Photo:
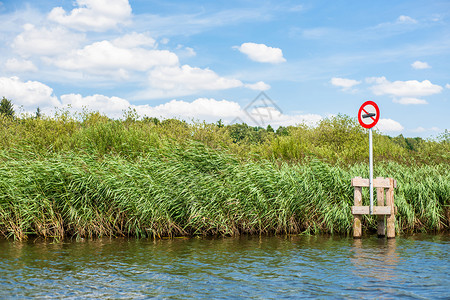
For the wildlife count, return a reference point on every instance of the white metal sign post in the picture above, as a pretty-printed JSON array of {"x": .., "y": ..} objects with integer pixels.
[{"x": 368, "y": 116}]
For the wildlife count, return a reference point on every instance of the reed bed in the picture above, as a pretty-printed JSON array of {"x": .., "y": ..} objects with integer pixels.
[{"x": 192, "y": 189}]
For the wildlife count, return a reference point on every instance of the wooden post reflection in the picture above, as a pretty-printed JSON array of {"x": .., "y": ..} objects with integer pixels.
[{"x": 375, "y": 261}]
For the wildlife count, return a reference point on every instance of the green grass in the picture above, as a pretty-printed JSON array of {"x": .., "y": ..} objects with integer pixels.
[
  {"x": 86, "y": 175},
  {"x": 193, "y": 189},
  {"x": 337, "y": 141}
]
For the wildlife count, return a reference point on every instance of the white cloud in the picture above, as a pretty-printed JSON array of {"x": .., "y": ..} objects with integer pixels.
[
  {"x": 308, "y": 119},
  {"x": 175, "y": 81},
  {"x": 258, "y": 86},
  {"x": 344, "y": 83},
  {"x": 410, "y": 88},
  {"x": 16, "y": 65},
  {"x": 269, "y": 115},
  {"x": 201, "y": 108},
  {"x": 45, "y": 41},
  {"x": 28, "y": 94},
  {"x": 105, "y": 56},
  {"x": 447, "y": 86},
  {"x": 190, "y": 51},
  {"x": 422, "y": 130},
  {"x": 111, "y": 106},
  {"x": 419, "y": 65},
  {"x": 410, "y": 100},
  {"x": 32, "y": 94},
  {"x": 189, "y": 78},
  {"x": 406, "y": 20},
  {"x": 389, "y": 125},
  {"x": 183, "y": 51},
  {"x": 408, "y": 91},
  {"x": 262, "y": 53},
  {"x": 134, "y": 40},
  {"x": 419, "y": 129},
  {"x": 212, "y": 110},
  {"x": 93, "y": 15}
]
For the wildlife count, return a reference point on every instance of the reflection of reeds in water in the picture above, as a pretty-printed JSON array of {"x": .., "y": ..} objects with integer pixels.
[
  {"x": 195, "y": 190},
  {"x": 377, "y": 262}
]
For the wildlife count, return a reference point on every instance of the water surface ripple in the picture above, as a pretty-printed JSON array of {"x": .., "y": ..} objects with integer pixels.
[{"x": 246, "y": 267}]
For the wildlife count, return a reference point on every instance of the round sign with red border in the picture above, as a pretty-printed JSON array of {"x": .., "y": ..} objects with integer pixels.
[{"x": 368, "y": 114}]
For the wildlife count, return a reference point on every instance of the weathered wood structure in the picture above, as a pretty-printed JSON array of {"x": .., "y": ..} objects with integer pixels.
[{"x": 384, "y": 186}]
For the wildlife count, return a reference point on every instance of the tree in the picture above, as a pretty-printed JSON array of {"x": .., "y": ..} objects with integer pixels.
[
  {"x": 38, "y": 113},
  {"x": 282, "y": 131},
  {"x": 153, "y": 120},
  {"x": 6, "y": 107}
]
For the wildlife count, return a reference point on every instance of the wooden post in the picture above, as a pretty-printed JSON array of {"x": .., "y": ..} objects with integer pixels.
[
  {"x": 384, "y": 186},
  {"x": 357, "y": 230},
  {"x": 380, "y": 218},
  {"x": 391, "y": 218}
]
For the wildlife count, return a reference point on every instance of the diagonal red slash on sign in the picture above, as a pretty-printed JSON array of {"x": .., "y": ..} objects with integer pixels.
[{"x": 368, "y": 113}]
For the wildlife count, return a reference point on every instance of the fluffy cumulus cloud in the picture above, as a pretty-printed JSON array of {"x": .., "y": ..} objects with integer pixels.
[
  {"x": 67, "y": 44},
  {"x": 201, "y": 108},
  {"x": 447, "y": 86},
  {"x": 258, "y": 86},
  {"x": 344, "y": 83},
  {"x": 262, "y": 53},
  {"x": 93, "y": 15},
  {"x": 189, "y": 78},
  {"x": 45, "y": 41},
  {"x": 389, "y": 126},
  {"x": 262, "y": 116},
  {"x": 134, "y": 40},
  {"x": 175, "y": 81},
  {"x": 20, "y": 65},
  {"x": 29, "y": 94},
  {"x": 419, "y": 65},
  {"x": 404, "y": 92},
  {"x": 106, "y": 56},
  {"x": 211, "y": 110},
  {"x": 112, "y": 106},
  {"x": 32, "y": 94}
]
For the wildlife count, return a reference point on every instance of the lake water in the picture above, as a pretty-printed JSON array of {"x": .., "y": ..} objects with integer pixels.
[{"x": 245, "y": 267}]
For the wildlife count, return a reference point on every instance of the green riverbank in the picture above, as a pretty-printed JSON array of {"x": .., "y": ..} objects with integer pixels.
[{"x": 98, "y": 177}]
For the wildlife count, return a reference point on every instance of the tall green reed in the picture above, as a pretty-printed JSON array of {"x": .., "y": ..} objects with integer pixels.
[{"x": 193, "y": 189}]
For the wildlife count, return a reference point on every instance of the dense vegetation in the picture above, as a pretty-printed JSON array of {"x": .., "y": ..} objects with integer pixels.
[{"x": 87, "y": 175}]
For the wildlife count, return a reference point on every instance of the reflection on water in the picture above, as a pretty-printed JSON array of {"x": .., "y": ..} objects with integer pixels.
[
  {"x": 375, "y": 262},
  {"x": 248, "y": 266}
]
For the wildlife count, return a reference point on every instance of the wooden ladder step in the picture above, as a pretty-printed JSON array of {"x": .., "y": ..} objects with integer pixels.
[{"x": 377, "y": 210}]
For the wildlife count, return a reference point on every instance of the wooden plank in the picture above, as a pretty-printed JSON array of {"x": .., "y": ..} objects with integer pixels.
[
  {"x": 390, "y": 221},
  {"x": 381, "y": 228},
  {"x": 378, "y": 182},
  {"x": 357, "y": 230},
  {"x": 377, "y": 210}
]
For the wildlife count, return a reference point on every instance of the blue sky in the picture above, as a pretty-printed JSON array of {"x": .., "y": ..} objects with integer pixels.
[{"x": 208, "y": 60}]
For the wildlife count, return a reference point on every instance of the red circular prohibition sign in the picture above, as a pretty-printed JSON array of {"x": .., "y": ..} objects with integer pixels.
[{"x": 368, "y": 114}]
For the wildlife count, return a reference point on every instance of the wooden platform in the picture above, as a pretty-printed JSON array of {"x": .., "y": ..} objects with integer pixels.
[{"x": 385, "y": 189}]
